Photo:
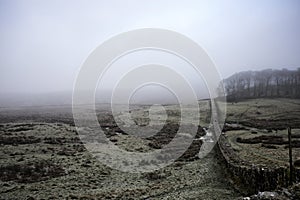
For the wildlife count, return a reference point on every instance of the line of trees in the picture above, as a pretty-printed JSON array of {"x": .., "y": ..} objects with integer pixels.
[{"x": 265, "y": 83}]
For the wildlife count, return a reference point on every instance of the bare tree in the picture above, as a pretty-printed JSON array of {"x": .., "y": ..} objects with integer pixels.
[{"x": 265, "y": 83}]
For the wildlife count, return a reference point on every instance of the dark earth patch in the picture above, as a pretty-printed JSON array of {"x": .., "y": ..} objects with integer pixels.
[{"x": 30, "y": 172}]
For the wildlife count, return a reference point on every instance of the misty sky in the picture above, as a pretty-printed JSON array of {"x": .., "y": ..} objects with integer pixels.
[{"x": 44, "y": 43}]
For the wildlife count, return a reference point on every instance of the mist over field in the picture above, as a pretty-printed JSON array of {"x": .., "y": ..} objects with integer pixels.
[
  {"x": 136, "y": 99},
  {"x": 44, "y": 43}
]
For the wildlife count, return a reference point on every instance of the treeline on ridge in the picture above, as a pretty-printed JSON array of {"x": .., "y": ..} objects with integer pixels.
[{"x": 263, "y": 84}]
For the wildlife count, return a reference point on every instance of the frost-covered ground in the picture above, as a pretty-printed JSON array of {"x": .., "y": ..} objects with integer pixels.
[{"x": 41, "y": 157}]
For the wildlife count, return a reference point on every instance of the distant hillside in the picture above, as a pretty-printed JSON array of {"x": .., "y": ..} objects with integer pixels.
[{"x": 266, "y": 83}]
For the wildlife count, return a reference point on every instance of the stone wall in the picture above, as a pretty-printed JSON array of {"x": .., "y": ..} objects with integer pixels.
[{"x": 251, "y": 178}]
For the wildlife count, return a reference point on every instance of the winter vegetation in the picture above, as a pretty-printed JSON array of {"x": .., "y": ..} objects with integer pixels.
[{"x": 263, "y": 84}]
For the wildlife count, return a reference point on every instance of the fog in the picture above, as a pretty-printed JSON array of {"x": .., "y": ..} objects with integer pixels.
[{"x": 44, "y": 43}]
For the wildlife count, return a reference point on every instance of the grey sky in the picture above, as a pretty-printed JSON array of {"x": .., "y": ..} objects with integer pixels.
[{"x": 44, "y": 43}]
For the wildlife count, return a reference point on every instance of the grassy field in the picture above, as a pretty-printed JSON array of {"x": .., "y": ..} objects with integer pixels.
[
  {"x": 41, "y": 157},
  {"x": 257, "y": 130},
  {"x": 265, "y": 113}
]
